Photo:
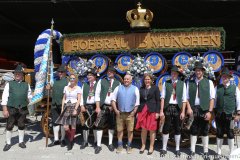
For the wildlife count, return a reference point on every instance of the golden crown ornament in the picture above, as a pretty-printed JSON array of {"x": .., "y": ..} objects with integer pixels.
[{"x": 139, "y": 18}]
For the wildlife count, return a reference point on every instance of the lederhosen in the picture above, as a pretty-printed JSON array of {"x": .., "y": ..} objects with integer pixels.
[
  {"x": 225, "y": 107},
  {"x": 199, "y": 125},
  {"x": 90, "y": 108},
  {"x": 57, "y": 96},
  {"x": 172, "y": 111},
  {"x": 107, "y": 116},
  {"x": 17, "y": 105}
]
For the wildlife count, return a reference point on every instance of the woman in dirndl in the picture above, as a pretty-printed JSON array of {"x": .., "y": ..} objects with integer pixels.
[
  {"x": 148, "y": 112},
  {"x": 70, "y": 104}
]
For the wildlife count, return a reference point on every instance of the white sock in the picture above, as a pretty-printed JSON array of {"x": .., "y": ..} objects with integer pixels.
[
  {"x": 99, "y": 137},
  {"x": 177, "y": 141},
  {"x": 231, "y": 145},
  {"x": 219, "y": 145},
  {"x": 205, "y": 143},
  {"x": 55, "y": 132},
  {"x": 95, "y": 135},
  {"x": 110, "y": 136},
  {"x": 63, "y": 133},
  {"x": 20, "y": 135},
  {"x": 165, "y": 140},
  {"x": 8, "y": 137},
  {"x": 193, "y": 140},
  {"x": 85, "y": 135}
]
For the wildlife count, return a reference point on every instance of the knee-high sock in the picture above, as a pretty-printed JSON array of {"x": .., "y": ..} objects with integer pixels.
[
  {"x": 73, "y": 131},
  {"x": 55, "y": 132},
  {"x": 8, "y": 137},
  {"x": 62, "y": 133},
  {"x": 85, "y": 135},
  {"x": 177, "y": 141},
  {"x": 68, "y": 133},
  {"x": 231, "y": 145},
  {"x": 205, "y": 140},
  {"x": 165, "y": 140},
  {"x": 193, "y": 140},
  {"x": 99, "y": 137},
  {"x": 20, "y": 135},
  {"x": 219, "y": 145},
  {"x": 95, "y": 135},
  {"x": 110, "y": 136}
]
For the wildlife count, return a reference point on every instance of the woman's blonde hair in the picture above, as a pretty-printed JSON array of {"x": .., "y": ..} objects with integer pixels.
[{"x": 76, "y": 77}]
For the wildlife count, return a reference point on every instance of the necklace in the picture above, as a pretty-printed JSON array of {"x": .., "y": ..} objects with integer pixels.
[{"x": 146, "y": 90}]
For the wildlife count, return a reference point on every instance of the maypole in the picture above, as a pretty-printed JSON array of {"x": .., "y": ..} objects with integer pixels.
[{"x": 49, "y": 70}]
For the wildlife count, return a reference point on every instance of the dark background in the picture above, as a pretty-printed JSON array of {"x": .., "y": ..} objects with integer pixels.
[{"x": 21, "y": 21}]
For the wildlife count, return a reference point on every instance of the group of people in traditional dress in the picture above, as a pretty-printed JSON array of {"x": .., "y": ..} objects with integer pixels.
[{"x": 106, "y": 103}]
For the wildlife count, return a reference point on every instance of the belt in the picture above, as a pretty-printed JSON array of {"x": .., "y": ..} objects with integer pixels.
[
  {"x": 197, "y": 106},
  {"x": 175, "y": 105},
  {"x": 24, "y": 107}
]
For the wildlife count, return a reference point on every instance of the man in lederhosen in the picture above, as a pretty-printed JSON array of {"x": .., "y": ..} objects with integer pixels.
[
  {"x": 227, "y": 103},
  {"x": 173, "y": 103},
  {"x": 15, "y": 98},
  {"x": 88, "y": 104},
  {"x": 103, "y": 94},
  {"x": 201, "y": 95},
  {"x": 57, "y": 96}
]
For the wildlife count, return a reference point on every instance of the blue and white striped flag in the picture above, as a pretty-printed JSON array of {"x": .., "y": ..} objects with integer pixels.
[
  {"x": 41, "y": 55},
  {"x": 41, "y": 76}
]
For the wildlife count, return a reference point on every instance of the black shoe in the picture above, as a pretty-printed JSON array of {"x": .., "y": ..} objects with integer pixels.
[
  {"x": 98, "y": 149},
  {"x": 191, "y": 156},
  {"x": 84, "y": 145},
  {"x": 217, "y": 157},
  {"x": 7, "y": 147},
  {"x": 111, "y": 147},
  {"x": 63, "y": 143},
  {"x": 70, "y": 146},
  {"x": 141, "y": 152},
  {"x": 54, "y": 143},
  {"x": 22, "y": 145},
  {"x": 163, "y": 153},
  {"x": 149, "y": 153},
  {"x": 178, "y": 153},
  {"x": 206, "y": 156}
]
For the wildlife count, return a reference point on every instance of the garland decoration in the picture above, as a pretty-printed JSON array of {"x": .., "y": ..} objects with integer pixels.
[
  {"x": 138, "y": 68},
  {"x": 188, "y": 70}
]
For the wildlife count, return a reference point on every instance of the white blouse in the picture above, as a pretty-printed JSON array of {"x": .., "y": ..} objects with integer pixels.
[{"x": 71, "y": 95}]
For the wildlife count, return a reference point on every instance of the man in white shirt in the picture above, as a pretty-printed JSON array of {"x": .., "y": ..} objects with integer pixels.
[
  {"x": 104, "y": 109},
  {"x": 127, "y": 98},
  {"x": 15, "y": 99},
  {"x": 227, "y": 103},
  {"x": 173, "y": 103},
  {"x": 88, "y": 105},
  {"x": 201, "y": 95}
]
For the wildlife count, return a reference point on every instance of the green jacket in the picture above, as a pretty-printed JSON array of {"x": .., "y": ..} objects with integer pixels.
[
  {"x": 179, "y": 92},
  {"x": 18, "y": 94},
  {"x": 105, "y": 84},
  {"x": 86, "y": 88},
  {"x": 204, "y": 90},
  {"x": 57, "y": 91},
  {"x": 226, "y": 99}
]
